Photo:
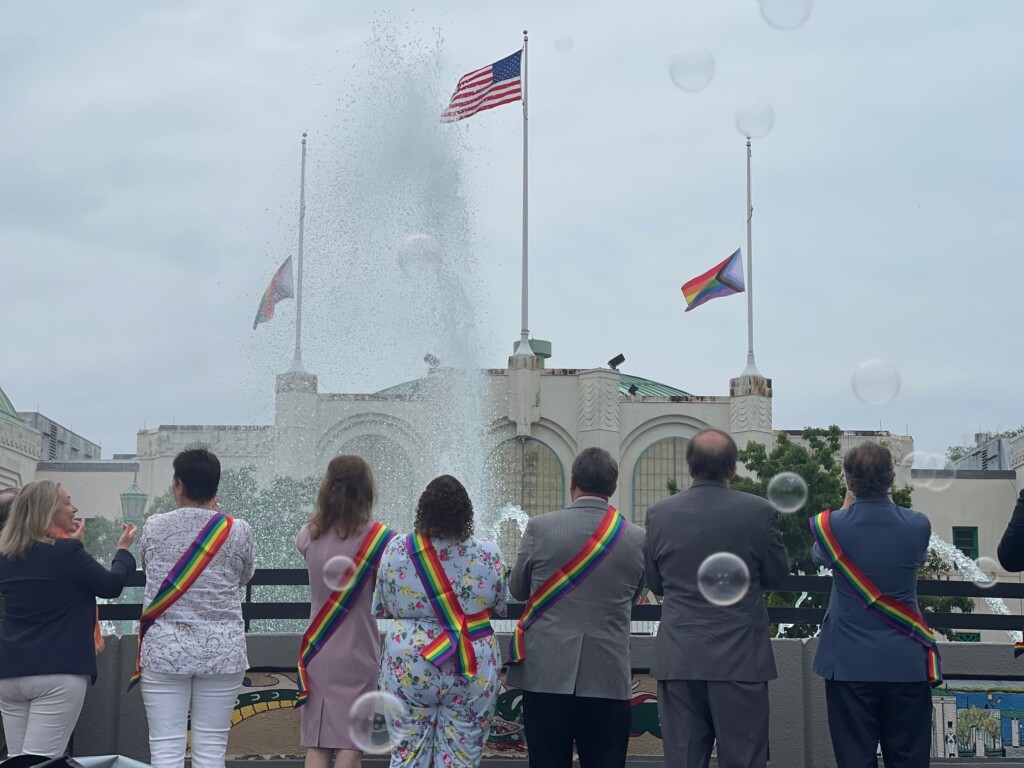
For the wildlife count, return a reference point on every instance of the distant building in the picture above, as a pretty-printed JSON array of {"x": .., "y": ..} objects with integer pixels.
[
  {"x": 58, "y": 443},
  {"x": 19, "y": 447},
  {"x": 990, "y": 453}
]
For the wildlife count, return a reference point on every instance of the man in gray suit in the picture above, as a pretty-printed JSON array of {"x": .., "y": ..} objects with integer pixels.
[
  {"x": 576, "y": 675},
  {"x": 712, "y": 662}
]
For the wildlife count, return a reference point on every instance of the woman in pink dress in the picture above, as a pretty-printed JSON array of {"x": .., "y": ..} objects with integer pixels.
[{"x": 346, "y": 666}]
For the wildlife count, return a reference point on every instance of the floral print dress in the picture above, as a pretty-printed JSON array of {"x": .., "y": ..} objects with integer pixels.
[{"x": 449, "y": 718}]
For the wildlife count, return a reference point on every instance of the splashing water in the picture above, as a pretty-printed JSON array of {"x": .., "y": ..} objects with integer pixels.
[{"x": 954, "y": 556}]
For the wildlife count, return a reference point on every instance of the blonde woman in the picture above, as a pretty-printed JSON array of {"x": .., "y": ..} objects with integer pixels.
[
  {"x": 344, "y": 666},
  {"x": 50, "y": 585}
]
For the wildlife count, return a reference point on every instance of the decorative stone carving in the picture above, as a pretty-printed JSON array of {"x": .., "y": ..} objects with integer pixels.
[
  {"x": 750, "y": 414},
  {"x": 598, "y": 403}
]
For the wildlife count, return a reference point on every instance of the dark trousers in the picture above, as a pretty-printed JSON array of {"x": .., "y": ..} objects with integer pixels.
[
  {"x": 862, "y": 715},
  {"x": 600, "y": 728},
  {"x": 694, "y": 713}
]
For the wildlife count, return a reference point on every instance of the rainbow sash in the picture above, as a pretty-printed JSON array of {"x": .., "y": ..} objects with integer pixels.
[
  {"x": 567, "y": 578},
  {"x": 458, "y": 629},
  {"x": 182, "y": 576},
  {"x": 336, "y": 608},
  {"x": 1018, "y": 649},
  {"x": 900, "y": 616}
]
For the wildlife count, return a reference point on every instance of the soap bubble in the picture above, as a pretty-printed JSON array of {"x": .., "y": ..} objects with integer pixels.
[
  {"x": 934, "y": 470},
  {"x": 419, "y": 255},
  {"x": 368, "y": 724},
  {"x": 786, "y": 14},
  {"x": 755, "y": 119},
  {"x": 787, "y": 492},
  {"x": 692, "y": 69},
  {"x": 876, "y": 381},
  {"x": 723, "y": 578},
  {"x": 339, "y": 572},
  {"x": 563, "y": 44},
  {"x": 990, "y": 572}
]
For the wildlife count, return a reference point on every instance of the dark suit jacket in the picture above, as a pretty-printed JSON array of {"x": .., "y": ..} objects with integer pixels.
[
  {"x": 698, "y": 640},
  {"x": 888, "y": 543},
  {"x": 50, "y": 608},
  {"x": 581, "y": 644},
  {"x": 1011, "y": 546}
]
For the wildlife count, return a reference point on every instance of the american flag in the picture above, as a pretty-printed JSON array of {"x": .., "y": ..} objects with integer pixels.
[{"x": 496, "y": 84}]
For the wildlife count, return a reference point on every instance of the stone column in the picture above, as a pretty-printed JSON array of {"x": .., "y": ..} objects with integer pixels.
[
  {"x": 750, "y": 410},
  {"x": 295, "y": 417},
  {"x": 523, "y": 401},
  {"x": 597, "y": 410}
]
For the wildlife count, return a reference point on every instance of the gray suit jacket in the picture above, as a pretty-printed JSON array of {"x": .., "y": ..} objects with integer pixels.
[
  {"x": 698, "y": 640},
  {"x": 581, "y": 645}
]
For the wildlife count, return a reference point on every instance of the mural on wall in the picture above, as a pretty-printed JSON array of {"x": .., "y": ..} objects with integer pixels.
[
  {"x": 978, "y": 718},
  {"x": 265, "y": 721}
]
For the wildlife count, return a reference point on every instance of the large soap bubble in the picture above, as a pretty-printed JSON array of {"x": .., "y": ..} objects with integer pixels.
[
  {"x": 692, "y": 69},
  {"x": 786, "y": 14},
  {"x": 419, "y": 255},
  {"x": 876, "y": 381},
  {"x": 989, "y": 572},
  {"x": 339, "y": 572},
  {"x": 755, "y": 119},
  {"x": 368, "y": 724},
  {"x": 723, "y": 578},
  {"x": 787, "y": 492}
]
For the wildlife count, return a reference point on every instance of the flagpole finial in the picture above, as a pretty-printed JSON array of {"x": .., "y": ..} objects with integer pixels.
[{"x": 525, "y": 33}]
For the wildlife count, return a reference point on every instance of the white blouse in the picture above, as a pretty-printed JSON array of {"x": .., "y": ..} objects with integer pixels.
[{"x": 203, "y": 632}]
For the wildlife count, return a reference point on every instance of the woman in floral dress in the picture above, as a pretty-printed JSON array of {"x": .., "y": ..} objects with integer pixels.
[{"x": 449, "y": 716}]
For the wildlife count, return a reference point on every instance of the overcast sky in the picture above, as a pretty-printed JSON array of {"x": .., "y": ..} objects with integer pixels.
[{"x": 149, "y": 158}]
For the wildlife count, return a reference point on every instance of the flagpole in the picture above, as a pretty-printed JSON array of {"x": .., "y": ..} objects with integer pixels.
[
  {"x": 523, "y": 349},
  {"x": 751, "y": 369},
  {"x": 297, "y": 361}
]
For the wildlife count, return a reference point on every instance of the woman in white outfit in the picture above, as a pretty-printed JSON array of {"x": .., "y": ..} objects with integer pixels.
[{"x": 194, "y": 657}]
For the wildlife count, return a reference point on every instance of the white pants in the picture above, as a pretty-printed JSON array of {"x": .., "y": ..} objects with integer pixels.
[
  {"x": 40, "y": 712},
  {"x": 172, "y": 699}
]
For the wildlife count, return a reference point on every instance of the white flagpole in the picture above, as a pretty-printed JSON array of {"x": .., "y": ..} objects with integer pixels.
[
  {"x": 751, "y": 369},
  {"x": 297, "y": 361},
  {"x": 523, "y": 348}
]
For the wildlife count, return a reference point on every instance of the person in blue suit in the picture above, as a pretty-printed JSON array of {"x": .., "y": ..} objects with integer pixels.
[{"x": 876, "y": 682}]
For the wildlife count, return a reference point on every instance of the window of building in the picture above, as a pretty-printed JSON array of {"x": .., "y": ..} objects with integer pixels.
[
  {"x": 660, "y": 463},
  {"x": 967, "y": 637},
  {"x": 965, "y": 538},
  {"x": 528, "y": 473}
]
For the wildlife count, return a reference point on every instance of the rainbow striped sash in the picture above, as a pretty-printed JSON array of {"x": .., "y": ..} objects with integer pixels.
[
  {"x": 458, "y": 629},
  {"x": 336, "y": 608},
  {"x": 1018, "y": 649},
  {"x": 567, "y": 578},
  {"x": 182, "y": 576},
  {"x": 900, "y": 616}
]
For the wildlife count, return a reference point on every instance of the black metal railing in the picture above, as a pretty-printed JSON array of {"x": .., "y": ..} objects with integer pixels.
[{"x": 269, "y": 577}]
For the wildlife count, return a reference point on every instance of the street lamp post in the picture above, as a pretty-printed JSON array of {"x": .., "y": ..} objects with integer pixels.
[{"x": 133, "y": 503}]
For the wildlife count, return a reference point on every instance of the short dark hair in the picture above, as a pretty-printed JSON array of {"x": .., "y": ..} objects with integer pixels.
[
  {"x": 595, "y": 471},
  {"x": 7, "y": 497},
  {"x": 869, "y": 470},
  {"x": 444, "y": 510},
  {"x": 711, "y": 454},
  {"x": 199, "y": 472}
]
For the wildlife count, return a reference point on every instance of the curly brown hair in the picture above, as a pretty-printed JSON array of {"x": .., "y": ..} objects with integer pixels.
[
  {"x": 444, "y": 510},
  {"x": 345, "y": 501}
]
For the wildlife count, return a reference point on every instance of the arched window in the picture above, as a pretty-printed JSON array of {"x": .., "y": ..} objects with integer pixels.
[
  {"x": 527, "y": 473},
  {"x": 396, "y": 479},
  {"x": 660, "y": 462}
]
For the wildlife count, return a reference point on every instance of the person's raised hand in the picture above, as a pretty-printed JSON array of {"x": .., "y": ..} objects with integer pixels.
[
  {"x": 127, "y": 536},
  {"x": 77, "y": 529}
]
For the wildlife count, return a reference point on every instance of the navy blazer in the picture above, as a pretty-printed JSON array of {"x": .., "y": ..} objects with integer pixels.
[
  {"x": 888, "y": 543},
  {"x": 50, "y": 608},
  {"x": 1011, "y": 546}
]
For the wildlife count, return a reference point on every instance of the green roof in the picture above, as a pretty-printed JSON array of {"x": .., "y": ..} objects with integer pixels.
[
  {"x": 644, "y": 388},
  {"x": 648, "y": 388},
  {"x": 7, "y": 408}
]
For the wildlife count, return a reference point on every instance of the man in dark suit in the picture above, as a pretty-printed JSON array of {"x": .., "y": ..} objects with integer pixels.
[
  {"x": 713, "y": 663},
  {"x": 576, "y": 674},
  {"x": 876, "y": 684}
]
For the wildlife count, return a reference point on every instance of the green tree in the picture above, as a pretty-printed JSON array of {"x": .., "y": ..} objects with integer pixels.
[
  {"x": 100, "y": 540},
  {"x": 957, "y": 452}
]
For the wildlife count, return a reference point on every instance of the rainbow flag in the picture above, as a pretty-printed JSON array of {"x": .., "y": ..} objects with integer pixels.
[
  {"x": 281, "y": 287},
  {"x": 721, "y": 280}
]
